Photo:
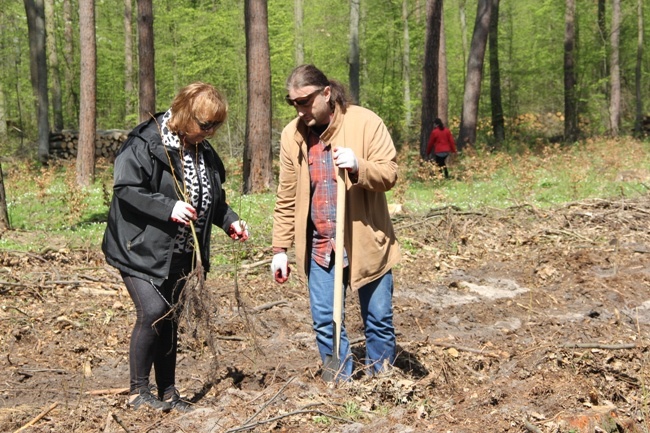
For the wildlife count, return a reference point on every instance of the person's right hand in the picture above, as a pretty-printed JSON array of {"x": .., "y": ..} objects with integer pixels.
[
  {"x": 183, "y": 213},
  {"x": 280, "y": 267}
]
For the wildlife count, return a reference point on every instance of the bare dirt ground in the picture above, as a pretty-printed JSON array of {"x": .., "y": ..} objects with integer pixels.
[{"x": 517, "y": 320}]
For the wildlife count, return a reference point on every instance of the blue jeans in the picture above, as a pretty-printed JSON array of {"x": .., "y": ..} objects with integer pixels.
[{"x": 375, "y": 299}]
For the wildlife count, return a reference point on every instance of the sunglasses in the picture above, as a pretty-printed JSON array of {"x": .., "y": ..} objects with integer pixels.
[
  {"x": 302, "y": 101},
  {"x": 207, "y": 126}
]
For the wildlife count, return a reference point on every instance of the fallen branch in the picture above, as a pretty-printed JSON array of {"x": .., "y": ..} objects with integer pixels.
[
  {"x": 119, "y": 421},
  {"x": 8, "y": 284},
  {"x": 17, "y": 309},
  {"x": 108, "y": 391},
  {"x": 468, "y": 349},
  {"x": 255, "y": 264},
  {"x": 38, "y": 417},
  {"x": 531, "y": 428},
  {"x": 93, "y": 279},
  {"x": 229, "y": 338},
  {"x": 600, "y": 346},
  {"x": 437, "y": 212},
  {"x": 286, "y": 415},
  {"x": 568, "y": 233},
  {"x": 269, "y": 402},
  {"x": 27, "y": 253},
  {"x": 269, "y": 305}
]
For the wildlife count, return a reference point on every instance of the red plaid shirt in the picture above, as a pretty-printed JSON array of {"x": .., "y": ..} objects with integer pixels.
[{"x": 322, "y": 173}]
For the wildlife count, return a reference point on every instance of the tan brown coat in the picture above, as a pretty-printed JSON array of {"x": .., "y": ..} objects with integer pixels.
[{"x": 370, "y": 240}]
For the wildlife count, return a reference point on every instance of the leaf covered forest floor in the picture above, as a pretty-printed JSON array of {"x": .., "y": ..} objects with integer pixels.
[{"x": 516, "y": 320}]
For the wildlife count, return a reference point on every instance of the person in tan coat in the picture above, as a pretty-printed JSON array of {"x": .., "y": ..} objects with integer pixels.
[{"x": 329, "y": 133}]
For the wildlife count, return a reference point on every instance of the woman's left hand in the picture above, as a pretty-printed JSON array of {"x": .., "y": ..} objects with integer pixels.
[{"x": 239, "y": 230}]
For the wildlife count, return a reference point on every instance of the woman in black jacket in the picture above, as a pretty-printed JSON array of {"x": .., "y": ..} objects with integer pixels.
[{"x": 166, "y": 174}]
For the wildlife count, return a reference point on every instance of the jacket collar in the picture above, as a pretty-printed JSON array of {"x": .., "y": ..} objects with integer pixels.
[
  {"x": 335, "y": 126},
  {"x": 149, "y": 131}
]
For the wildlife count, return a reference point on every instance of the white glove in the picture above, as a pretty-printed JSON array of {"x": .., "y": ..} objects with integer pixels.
[
  {"x": 239, "y": 230},
  {"x": 280, "y": 267},
  {"x": 183, "y": 213},
  {"x": 345, "y": 158}
]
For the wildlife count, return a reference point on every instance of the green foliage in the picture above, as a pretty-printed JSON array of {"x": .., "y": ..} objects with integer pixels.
[
  {"x": 351, "y": 410},
  {"x": 205, "y": 40}
]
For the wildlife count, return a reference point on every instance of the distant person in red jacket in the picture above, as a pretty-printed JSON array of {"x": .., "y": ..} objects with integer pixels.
[{"x": 441, "y": 143}]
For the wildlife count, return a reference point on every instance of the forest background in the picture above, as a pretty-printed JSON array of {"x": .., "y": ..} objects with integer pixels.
[{"x": 205, "y": 40}]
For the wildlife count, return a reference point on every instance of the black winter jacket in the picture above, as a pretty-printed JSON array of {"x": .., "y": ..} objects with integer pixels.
[{"x": 139, "y": 236}]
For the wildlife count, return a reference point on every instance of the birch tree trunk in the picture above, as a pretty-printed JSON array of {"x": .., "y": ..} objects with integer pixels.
[
  {"x": 406, "y": 70},
  {"x": 88, "y": 94},
  {"x": 57, "y": 105},
  {"x": 615, "y": 70},
  {"x": 638, "y": 72},
  {"x": 498, "y": 124},
  {"x": 71, "y": 96},
  {"x": 300, "y": 37},
  {"x": 128, "y": 57},
  {"x": 258, "y": 159},
  {"x": 463, "y": 31}
]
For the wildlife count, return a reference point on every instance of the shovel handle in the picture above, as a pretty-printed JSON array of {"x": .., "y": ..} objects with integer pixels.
[{"x": 338, "y": 262}]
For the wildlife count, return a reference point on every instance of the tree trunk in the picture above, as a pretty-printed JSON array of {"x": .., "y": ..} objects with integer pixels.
[
  {"x": 638, "y": 72},
  {"x": 430, "y": 73},
  {"x": 570, "y": 100},
  {"x": 258, "y": 167},
  {"x": 128, "y": 57},
  {"x": 443, "y": 83},
  {"x": 498, "y": 124},
  {"x": 57, "y": 105},
  {"x": 88, "y": 93},
  {"x": 615, "y": 71},
  {"x": 147, "y": 74},
  {"x": 406, "y": 70},
  {"x": 38, "y": 66},
  {"x": 469, "y": 118},
  {"x": 3, "y": 111},
  {"x": 71, "y": 103},
  {"x": 463, "y": 31},
  {"x": 4, "y": 215},
  {"x": 300, "y": 36},
  {"x": 602, "y": 31},
  {"x": 354, "y": 51}
]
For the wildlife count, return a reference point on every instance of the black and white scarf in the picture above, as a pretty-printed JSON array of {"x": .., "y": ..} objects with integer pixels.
[{"x": 197, "y": 188}]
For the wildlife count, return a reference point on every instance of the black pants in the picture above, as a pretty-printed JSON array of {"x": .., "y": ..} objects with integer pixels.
[
  {"x": 154, "y": 339},
  {"x": 441, "y": 162}
]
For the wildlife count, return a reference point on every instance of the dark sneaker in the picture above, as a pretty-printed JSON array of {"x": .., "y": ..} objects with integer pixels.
[
  {"x": 147, "y": 399},
  {"x": 177, "y": 403}
]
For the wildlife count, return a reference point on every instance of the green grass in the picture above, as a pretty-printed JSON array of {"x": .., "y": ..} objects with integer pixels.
[
  {"x": 558, "y": 175},
  {"x": 46, "y": 202}
]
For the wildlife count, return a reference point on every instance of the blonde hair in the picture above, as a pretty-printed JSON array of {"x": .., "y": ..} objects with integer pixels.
[{"x": 197, "y": 102}]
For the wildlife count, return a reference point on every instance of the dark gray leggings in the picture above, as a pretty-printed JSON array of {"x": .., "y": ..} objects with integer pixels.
[{"x": 153, "y": 340}]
